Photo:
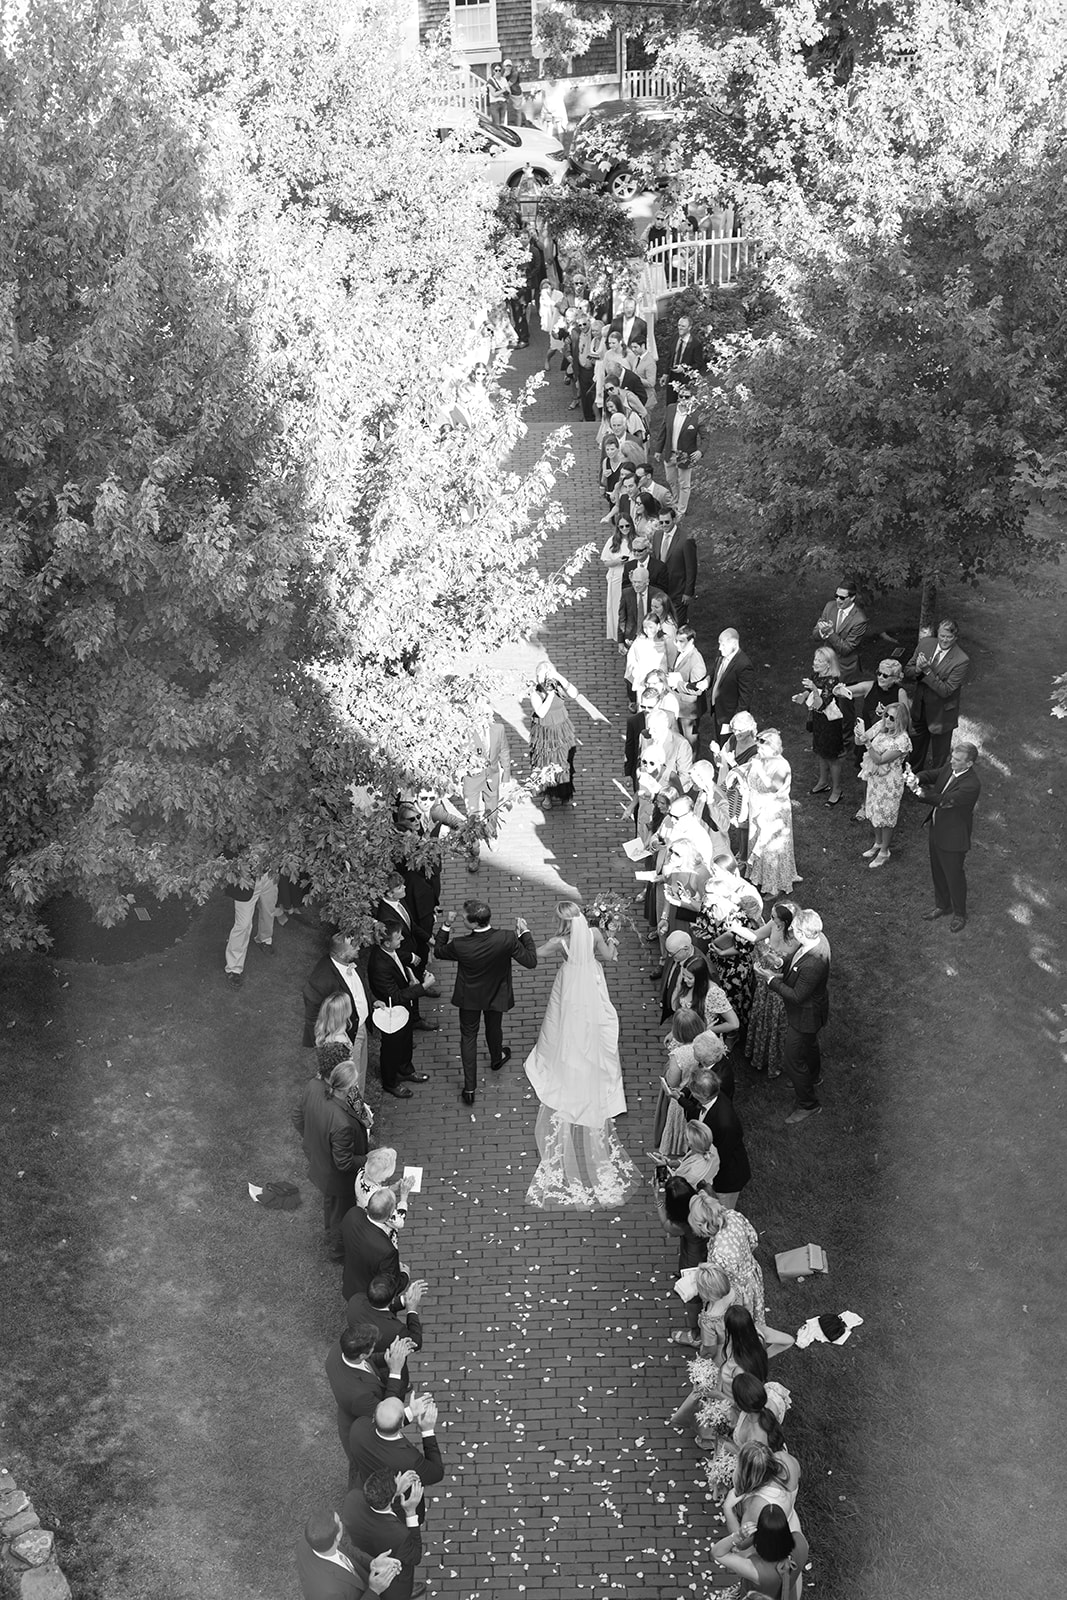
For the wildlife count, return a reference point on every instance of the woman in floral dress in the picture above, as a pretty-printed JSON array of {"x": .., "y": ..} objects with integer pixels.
[
  {"x": 888, "y": 744},
  {"x": 730, "y": 903},
  {"x": 766, "y": 1023},
  {"x": 771, "y": 863}
]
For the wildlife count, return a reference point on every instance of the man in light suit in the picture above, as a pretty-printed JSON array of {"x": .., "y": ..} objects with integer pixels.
[
  {"x": 483, "y": 988},
  {"x": 675, "y": 550},
  {"x": 678, "y": 446},
  {"x": 331, "y": 1568},
  {"x": 803, "y": 986},
  {"x": 842, "y": 625},
  {"x": 731, "y": 682},
  {"x": 939, "y": 669},
  {"x": 952, "y": 793}
]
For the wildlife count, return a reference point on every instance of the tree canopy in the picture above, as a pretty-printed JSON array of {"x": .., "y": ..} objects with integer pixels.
[{"x": 249, "y": 557}]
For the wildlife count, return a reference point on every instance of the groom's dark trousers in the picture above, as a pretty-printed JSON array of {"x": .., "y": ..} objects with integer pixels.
[{"x": 483, "y": 987}]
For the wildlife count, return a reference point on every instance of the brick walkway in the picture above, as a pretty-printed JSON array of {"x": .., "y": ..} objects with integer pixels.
[{"x": 547, "y": 1332}]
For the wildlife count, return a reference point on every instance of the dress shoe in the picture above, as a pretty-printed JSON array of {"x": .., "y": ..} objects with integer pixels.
[
  {"x": 401, "y": 1091},
  {"x": 415, "y": 1077},
  {"x": 957, "y": 925},
  {"x": 802, "y": 1113},
  {"x": 422, "y": 1026},
  {"x": 505, "y": 1056},
  {"x": 266, "y": 946},
  {"x": 468, "y": 1097},
  {"x": 235, "y": 980},
  {"x": 932, "y": 916}
]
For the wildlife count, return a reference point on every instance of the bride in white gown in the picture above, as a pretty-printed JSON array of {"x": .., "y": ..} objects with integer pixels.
[{"x": 574, "y": 1068}]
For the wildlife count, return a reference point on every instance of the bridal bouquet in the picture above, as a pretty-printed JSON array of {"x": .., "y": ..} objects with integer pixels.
[{"x": 609, "y": 912}]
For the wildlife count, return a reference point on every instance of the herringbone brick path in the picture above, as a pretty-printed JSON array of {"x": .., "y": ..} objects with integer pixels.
[{"x": 547, "y": 1332}]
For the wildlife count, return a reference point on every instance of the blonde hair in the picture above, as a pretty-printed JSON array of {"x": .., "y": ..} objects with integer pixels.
[
  {"x": 334, "y": 1014},
  {"x": 699, "y": 1136},
  {"x": 380, "y": 1164},
  {"x": 824, "y": 653},
  {"x": 900, "y": 715},
  {"x": 712, "y": 1283}
]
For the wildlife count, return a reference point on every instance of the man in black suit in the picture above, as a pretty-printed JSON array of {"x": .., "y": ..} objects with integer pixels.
[
  {"x": 952, "y": 793},
  {"x": 803, "y": 986},
  {"x": 705, "y": 1102},
  {"x": 675, "y": 549},
  {"x": 688, "y": 352},
  {"x": 731, "y": 682},
  {"x": 635, "y": 729},
  {"x": 335, "y": 1145},
  {"x": 336, "y": 973},
  {"x": 483, "y": 983},
  {"x": 645, "y": 562},
  {"x": 356, "y": 1385},
  {"x": 382, "y": 1518},
  {"x": 636, "y": 604},
  {"x": 377, "y": 1443},
  {"x": 394, "y": 1313},
  {"x": 369, "y": 1246},
  {"x": 393, "y": 983},
  {"x": 331, "y": 1568},
  {"x": 628, "y": 323},
  {"x": 842, "y": 626},
  {"x": 678, "y": 949},
  {"x": 396, "y": 909}
]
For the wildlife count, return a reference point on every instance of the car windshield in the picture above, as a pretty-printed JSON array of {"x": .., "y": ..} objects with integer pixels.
[{"x": 504, "y": 135}]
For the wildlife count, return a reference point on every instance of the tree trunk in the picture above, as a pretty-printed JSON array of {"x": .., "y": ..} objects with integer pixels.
[
  {"x": 929, "y": 602},
  {"x": 620, "y": 58}
]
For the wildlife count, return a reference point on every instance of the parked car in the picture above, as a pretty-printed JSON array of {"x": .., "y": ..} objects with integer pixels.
[
  {"x": 507, "y": 151},
  {"x": 613, "y": 143}
]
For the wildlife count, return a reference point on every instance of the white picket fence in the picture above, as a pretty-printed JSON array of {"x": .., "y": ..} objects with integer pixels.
[
  {"x": 464, "y": 88},
  {"x": 699, "y": 263},
  {"x": 648, "y": 85}
]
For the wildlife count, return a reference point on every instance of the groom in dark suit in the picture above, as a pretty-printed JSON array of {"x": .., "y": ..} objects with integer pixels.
[{"x": 483, "y": 983}]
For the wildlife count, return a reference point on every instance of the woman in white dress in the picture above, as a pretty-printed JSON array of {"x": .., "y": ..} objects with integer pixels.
[
  {"x": 575, "y": 1072},
  {"x": 615, "y": 554}
]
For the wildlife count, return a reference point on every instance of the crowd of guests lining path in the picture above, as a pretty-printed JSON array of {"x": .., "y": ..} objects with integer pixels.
[{"x": 743, "y": 971}]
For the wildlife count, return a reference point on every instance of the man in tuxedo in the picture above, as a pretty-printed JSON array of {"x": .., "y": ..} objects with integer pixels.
[
  {"x": 377, "y": 1444},
  {"x": 705, "y": 1102},
  {"x": 678, "y": 446},
  {"x": 628, "y": 324},
  {"x": 490, "y": 769},
  {"x": 688, "y": 352},
  {"x": 382, "y": 1518},
  {"x": 393, "y": 983},
  {"x": 369, "y": 1245},
  {"x": 842, "y": 625},
  {"x": 394, "y": 909},
  {"x": 676, "y": 550},
  {"x": 939, "y": 670},
  {"x": 952, "y": 793},
  {"x": 731, "y": 682},
  {"x": 336, "y": 973},
  {"x": 803, "y": 986},
  {"x": 335, "y": 1145},
  {"x": 483, "y": 988},
  {"x": 331, "y": 1568},
  {"x": 355, "y": 1383}
]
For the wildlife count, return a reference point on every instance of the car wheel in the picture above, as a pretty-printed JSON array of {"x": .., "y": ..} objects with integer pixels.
[
  {"x": 623, "y": 185},
  {"x": 536, "y": 173}
]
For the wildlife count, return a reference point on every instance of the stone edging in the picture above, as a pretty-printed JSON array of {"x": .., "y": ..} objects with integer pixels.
[{"x": 28, "y": 1566}]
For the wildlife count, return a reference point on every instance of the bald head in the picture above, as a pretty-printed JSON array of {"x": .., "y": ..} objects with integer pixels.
[{"x": 388, "y": 1415}]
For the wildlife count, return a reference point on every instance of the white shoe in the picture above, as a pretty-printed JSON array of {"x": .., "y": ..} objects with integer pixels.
[
  {"x": 873, "y": 851},
  {"x": 879, "y": 860}
]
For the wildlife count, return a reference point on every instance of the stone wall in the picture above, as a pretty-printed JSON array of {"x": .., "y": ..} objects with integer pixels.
[{"x": 28, "y": 1566}]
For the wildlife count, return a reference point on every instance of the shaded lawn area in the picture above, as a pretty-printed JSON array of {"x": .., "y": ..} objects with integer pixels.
[{"x": 163, "y": 1338}]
